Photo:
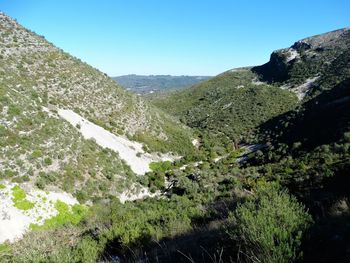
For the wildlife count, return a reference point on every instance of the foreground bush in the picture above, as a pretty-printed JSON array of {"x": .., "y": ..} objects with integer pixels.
[{"x": 269, "y": 227}]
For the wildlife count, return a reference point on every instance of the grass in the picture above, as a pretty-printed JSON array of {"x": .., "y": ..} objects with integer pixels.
[
  {"x": 19, "y": 199},
  {"x": 66, "y": 215}
]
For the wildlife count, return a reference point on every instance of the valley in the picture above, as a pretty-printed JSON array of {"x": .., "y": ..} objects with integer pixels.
[
  {"x": 250, "y": 165},
  {"x": 142, "y": 85}
]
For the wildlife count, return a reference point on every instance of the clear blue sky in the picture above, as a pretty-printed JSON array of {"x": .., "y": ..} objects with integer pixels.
[{"x": 179, "y": 37}]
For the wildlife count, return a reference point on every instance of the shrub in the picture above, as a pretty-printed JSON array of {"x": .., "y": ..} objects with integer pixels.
[
  {"x": 21, "y": 179},
  {"x": 37, "y": 153},
  {"x": 86, "y": 251},
  {"x": 347, "y": 136},
  {"x": 3, "y": 131},
  {"x": 19, "y": 199},
  {"x": 269, "y": 226},
  {"x": 47, "y": 161},
  {"x": 5, "y": 249},
  {"x": 9, "y": 173},
  {"x": 160, "y": 166},
  {"x": 40, "y": 183},
  {"x": 14, "y": 110},
  {"x": 156, "y": 180}
]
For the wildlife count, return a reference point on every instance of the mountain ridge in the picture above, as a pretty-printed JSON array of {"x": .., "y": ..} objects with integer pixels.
[
  {"x": 143, "y": 84},
  {"x": 305, "y": 69}
]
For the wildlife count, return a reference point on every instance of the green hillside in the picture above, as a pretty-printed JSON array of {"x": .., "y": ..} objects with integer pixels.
[
  {"x": 264, "y": 179},
  {"x": 58, "y": 79},
  {"x": 232, "y": 103},
  {"x": 42, "y": 149}
]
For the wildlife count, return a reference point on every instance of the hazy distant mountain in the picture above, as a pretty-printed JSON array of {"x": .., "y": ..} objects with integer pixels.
[{"x": 148, "y": 84}]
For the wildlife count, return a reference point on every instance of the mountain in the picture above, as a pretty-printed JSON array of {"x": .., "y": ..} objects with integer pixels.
[
  {"x": 65, "y": 126},
  {"x": 308, "y": 63},
  {"x": 319, "y": 74},
  {"x": 238, "y": 101},
  {"x": 296, "y": 106},
  {"x": 141, "y": 84}
]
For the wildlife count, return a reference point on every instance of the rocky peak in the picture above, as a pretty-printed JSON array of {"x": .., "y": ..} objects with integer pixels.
[
  {"x": 301, "y": 45},
  {"x": 305, "y": 59}
]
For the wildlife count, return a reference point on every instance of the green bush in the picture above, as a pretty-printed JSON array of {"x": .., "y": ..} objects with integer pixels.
[
  {"x": 47, "y": 161},
  {"x": 160, "y": 166},
  {"x": 3, "y": 131},
  {"x": 87, "y": 251},
  {"x": 21, "y": 179},
  {"x": 156, "y": 179},
  {"x": 37, "y": 153},
  {"x": 19, "y": 199},
  {"x": 66, "y": 215},
  {"x": 14, "y": 110},
  {"x": 269, "y": 227}
]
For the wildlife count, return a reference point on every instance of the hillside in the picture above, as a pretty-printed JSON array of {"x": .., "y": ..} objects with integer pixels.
[
  {"x": 92, "y": 173},
  {"x": 141, "y": 84},
  {"x": 238, "y": 101},
  {"x": 65, "y": 126},
  {"x": 232, "y": 103},
  {"x": 32, "y": 64},
  {"x": 310, "y": 65},
  {"x": 322, "y": 64},
  {"x": 306, "y": 135}
]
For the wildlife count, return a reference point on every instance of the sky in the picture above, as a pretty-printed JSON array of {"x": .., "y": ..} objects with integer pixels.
[{"x": 176, "y": 37}]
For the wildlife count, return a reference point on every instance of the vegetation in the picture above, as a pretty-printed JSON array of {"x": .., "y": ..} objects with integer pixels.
[
  {"x": 269, "y": 226},
  {"x": 159, "y": 83},
  {"x": 66, "y": 215},
  {"x": 160, "y": 166},
  {"x": 19, "y": 199},
  {"x": 230, "y": 104},
  {"x": 223, "y": 201}
]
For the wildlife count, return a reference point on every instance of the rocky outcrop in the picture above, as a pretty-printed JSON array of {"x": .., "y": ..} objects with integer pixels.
[{"x": 305, "y": 59}]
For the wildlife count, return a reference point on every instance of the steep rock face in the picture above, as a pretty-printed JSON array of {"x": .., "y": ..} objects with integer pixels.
[
  {"x": 277, "y": 68},
  {"x": 305, "y": 59}
]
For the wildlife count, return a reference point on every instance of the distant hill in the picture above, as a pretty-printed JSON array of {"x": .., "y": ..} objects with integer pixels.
[{"x": 153, "y": 83}]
